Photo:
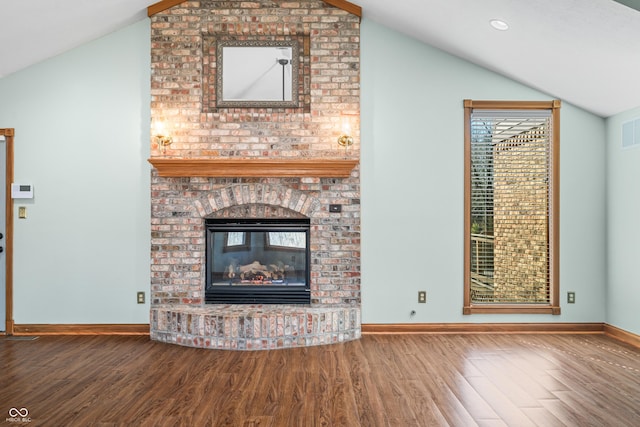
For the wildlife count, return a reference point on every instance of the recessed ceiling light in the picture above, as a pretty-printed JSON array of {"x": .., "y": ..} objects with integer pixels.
[{"x": 499, "y": 24}]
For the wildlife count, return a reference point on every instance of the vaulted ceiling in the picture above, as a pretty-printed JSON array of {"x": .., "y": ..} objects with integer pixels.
[{"x": 586, "y": 52}]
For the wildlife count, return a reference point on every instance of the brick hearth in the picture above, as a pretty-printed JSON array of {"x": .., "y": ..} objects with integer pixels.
[{"x": 254, "y": 327}]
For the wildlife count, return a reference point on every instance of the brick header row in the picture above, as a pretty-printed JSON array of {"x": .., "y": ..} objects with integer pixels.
[{"x": 341, "y": 4}]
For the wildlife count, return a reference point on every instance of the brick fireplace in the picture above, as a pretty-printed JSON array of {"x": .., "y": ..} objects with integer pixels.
[{"x": 254, "y": 162}]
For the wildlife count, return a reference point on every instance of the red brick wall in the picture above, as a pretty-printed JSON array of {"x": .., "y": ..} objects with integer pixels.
[{"x": 181, "y": 93}]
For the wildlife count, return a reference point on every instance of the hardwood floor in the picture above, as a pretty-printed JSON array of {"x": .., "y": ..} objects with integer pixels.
[{"x": 380, "y": 380}]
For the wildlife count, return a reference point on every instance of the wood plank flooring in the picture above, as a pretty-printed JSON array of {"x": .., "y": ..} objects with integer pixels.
[{"x": 380, "y": 380}]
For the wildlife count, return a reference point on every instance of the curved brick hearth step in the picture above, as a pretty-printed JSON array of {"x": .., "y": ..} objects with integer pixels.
[{"x": 254, "y": 327}]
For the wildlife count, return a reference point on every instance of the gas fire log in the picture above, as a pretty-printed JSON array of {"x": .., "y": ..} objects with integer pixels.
[{"x": 255, "y": 269}]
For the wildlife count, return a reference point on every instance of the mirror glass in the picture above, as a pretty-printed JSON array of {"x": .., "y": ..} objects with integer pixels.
[{"x": 257, "y": 74}]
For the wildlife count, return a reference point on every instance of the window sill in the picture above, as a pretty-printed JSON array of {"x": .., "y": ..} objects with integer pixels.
[{"x": 511, "y": 309}]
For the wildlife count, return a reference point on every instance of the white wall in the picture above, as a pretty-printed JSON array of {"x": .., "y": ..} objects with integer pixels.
[
  {"x": 412, "y": 185},
  {"x": 82, "y": 139},
  {"x": 623, "y": 216}
]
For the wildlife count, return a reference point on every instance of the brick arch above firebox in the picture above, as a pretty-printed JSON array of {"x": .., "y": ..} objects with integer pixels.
[
  {"x": 255, "y": 210},
  {"x": 257, "y": 200}
]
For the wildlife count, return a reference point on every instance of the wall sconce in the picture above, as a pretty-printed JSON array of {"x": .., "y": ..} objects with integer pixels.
[
  {"x": 161, "y": 135},
  {"x": 345, "y": 139}
]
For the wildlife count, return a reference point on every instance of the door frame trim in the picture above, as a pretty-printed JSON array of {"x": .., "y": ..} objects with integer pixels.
[{"x": 8, "y": 134}]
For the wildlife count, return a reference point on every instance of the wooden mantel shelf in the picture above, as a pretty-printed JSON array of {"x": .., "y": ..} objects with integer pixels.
[{"x": 254, "y": 168}]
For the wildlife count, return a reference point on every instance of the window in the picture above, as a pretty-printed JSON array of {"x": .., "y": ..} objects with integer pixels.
[
  {"x": 237, "y": 241},
  {"x": 511, "y": 207},
  {"x": 287, "y": 239}
]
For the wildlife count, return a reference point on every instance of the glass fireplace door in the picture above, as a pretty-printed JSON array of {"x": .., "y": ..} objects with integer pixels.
[{"x": 257, "y": 261}]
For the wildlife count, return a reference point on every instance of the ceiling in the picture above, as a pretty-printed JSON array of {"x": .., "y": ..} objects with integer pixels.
[{"x": 586, "y": 52}]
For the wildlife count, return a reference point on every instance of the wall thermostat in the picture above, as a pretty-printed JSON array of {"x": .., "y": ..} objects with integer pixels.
[{"x": 21, "y": 191}]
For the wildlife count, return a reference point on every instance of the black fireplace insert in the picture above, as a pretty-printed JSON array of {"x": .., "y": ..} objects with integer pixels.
[{"x": 257, "y": 261}]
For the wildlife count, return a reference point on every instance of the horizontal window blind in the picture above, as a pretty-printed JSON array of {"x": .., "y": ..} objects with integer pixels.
[{"x": 510, "y": 206}]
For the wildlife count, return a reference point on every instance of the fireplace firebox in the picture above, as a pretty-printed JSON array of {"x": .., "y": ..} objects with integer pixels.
[{"x": 257, "y": 261}]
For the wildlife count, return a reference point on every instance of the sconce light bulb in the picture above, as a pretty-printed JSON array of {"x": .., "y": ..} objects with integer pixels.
[
  {"x": 345, "y": 139},
  {"x": 161, "y": 135}
]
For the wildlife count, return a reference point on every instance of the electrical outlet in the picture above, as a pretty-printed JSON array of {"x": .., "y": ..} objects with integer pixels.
[
  {"x": 571, "y": 297},
  {"x": 422, "y": 297},
  {"x": 22, "y": 212},
  {"x": 140, "y": 297}
]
